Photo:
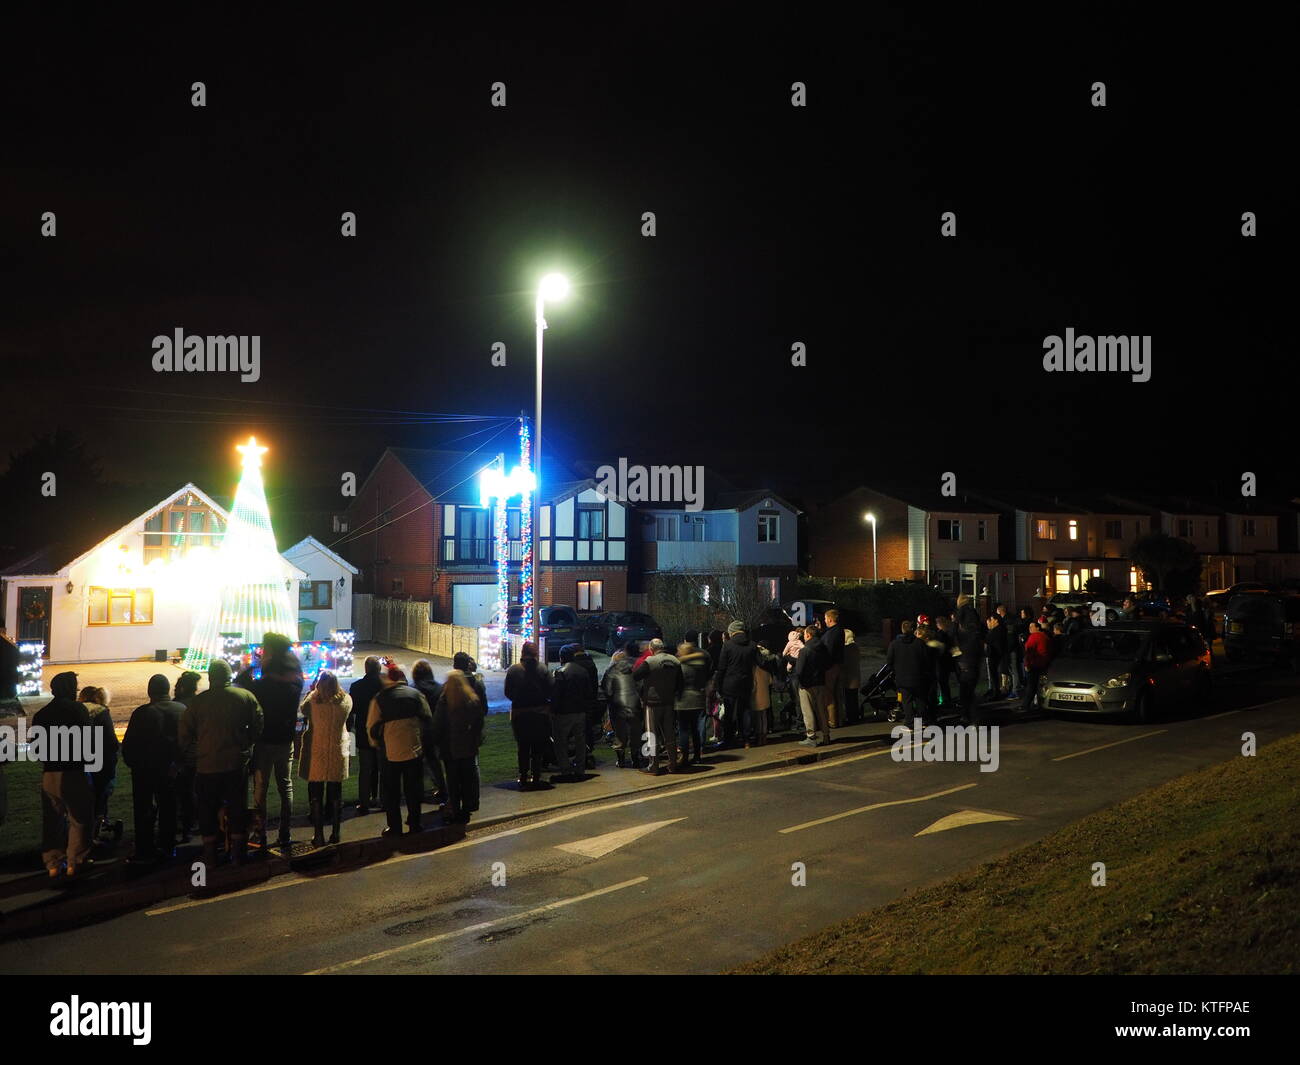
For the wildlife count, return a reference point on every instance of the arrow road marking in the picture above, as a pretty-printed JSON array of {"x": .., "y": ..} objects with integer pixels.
[
  {"x": 599, "y": 846},
  {"x": 873, "y": 806},
  {"x": 961, "y": 818}
]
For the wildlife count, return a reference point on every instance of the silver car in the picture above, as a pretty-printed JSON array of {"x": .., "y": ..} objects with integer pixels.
[{"x": 1132, "y": 667}]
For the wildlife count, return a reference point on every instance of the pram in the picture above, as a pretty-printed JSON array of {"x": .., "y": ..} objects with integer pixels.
[{"x": 878, "y": 694}]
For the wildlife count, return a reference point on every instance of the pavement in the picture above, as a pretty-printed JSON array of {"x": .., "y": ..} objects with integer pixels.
[{"x": 691, "y": 873}]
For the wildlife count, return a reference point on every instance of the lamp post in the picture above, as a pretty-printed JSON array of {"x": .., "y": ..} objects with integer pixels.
[
  {"x": 875, "y": 572},
  {"x": 552, "y": 287}
]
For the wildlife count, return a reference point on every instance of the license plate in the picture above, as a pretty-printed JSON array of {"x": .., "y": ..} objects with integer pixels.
[
  {"x": 1236, "y": 626},
  {"x": 1073, "y": 697}
]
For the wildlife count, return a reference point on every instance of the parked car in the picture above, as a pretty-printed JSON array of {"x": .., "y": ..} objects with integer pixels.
[
  {"x": 558, "y": 625},
  {"x": 609, "y": 631},
  {"x": 773, "y": 629},
  {"x": 1065, "y": 600},
  {"x": 1132, "y": 667},
  {"x": 1263, "y": 626}
]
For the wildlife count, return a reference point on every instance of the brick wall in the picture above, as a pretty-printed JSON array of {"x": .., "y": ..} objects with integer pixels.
[
  {"x": 839, "y": 540},
  {"x": 404, "y": 549}
]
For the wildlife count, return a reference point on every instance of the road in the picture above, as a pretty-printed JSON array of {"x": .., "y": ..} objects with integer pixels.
[{"x": 693, "y": 879}]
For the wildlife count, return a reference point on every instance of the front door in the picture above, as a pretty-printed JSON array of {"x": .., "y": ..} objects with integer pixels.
[{"x": 34, "y": 615}]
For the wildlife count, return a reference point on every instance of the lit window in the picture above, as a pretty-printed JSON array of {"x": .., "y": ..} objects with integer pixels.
[
  {"x": 1132, "y": 578},
  {"x": 1074, "y": 529},
  {"x": 1046, "y": 530},
  {"x": 591, "y": 595},
  {"x": 1062, "y": 580},
  {"x": 120, "y": 606}
]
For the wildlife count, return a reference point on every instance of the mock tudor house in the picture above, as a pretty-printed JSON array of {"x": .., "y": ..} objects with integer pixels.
[
  {"x": 131, "y": 594},
  {"x": 418, "y": 530}
]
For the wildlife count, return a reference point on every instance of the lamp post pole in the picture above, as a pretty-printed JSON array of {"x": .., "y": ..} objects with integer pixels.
[{"x": 537, "y": 459}]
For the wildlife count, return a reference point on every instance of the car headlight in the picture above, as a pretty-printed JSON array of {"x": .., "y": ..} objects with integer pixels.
[{"x": 1120, "y": 681}]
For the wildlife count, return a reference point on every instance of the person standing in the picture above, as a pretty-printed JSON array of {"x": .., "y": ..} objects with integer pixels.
[
  {"x": 733, "y": 679},
  {"x": 279, "y": 693},
  {"x": 151, "y": 749},
  {"x": 326, "y": 711},
  {"x": 851, "y": 678},
  {"x": 67, "y": 801},
  {"x": 395, "y": 722},
  {"x": 458, "y": 732},
  {"x": 945, "y": 665},
  {"x": 790, "y": 656},
  {"x": 1016, "y": 636},
  {"x": 765, "y": 666},
  {"x": 187, "y": 686},
  {"x": 363, "y": 692},
  {"x": 996, "y": 644},
  {"x": 528, "y": 687},
  {"x": 660, "y": 677},
  {"x": 810, "y": 668},
  {"x": 422, "y": 679},
  {"x": 1038, "y": 656},
  {"x": 624, "y": 701},
  {"x": 572, "y": 698},
  {"x": 912, "y": 662},
  {"x": 833, "y": 641},
  {"x": 692, "y": 701},
  {"x": 10, "y": 708},
  {"x": 222, "y": 724},
  {"x": 970, "y": 642},
  {"x": 103, "y": 782}
]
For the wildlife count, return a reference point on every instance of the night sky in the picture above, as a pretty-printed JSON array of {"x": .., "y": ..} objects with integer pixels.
[{"x": 775, "y": 225}]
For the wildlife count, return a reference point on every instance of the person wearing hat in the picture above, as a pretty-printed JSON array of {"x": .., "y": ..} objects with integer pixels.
[
  {"x": 67, "y": 802},
  {"x": 733, "y": 680},
  {"x": 151, "y": 750},
  {"x": 222, "y": 724},
  {"x": 573, "y": 697},
  {"x": 660, "y": 677}
]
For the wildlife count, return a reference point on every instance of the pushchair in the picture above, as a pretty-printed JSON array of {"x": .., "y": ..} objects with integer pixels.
[{"x": 878, "y": 694}]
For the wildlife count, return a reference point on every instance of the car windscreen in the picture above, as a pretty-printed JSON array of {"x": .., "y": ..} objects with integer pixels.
[
  {"x": 561, "y": 616},
  {"x": 1118, "y": 644},
  {"x": 634, "y": 619},
  {"x": 1253, "y": 608}
]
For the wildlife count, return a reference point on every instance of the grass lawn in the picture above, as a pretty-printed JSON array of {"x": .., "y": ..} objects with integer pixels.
[
  {"x": 1203, "y": 876},
  {"x": 20, "y": 836}
]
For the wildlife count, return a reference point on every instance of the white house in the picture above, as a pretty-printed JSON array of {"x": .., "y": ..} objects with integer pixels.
[
  {"x": 135, "y": 593},
  {"x": 325, "y": 593}
]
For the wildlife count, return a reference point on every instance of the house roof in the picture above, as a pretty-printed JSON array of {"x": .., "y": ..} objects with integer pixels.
[{"x": 316, "y": 545}]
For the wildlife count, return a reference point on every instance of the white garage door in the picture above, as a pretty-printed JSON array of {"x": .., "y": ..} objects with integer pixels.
[{"x": 473, "y": 604}]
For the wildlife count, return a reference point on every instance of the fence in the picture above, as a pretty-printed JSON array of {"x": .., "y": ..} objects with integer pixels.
[{"x": 405, "y": 623}]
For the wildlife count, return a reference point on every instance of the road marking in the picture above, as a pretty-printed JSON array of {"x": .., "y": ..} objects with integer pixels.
[
  {"x": 514, "y": 917},
  {"x": 873, "y": 806},
  {"x": 269, "y": 886},
  {"x": 963, "y": 818},
  {"x": 1090, "y": 750},
  {"x": 599, "y": 846},
  {"x": 1214, "y": 717}
]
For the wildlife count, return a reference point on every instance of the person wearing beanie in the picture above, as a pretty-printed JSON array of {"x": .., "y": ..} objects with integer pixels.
[
  {"x": 67, "y": 803},
  {"x": 151, "y": 750},
  {"x": 528, "y": 687},
  {"x": 222, "y": 724},
  {"x": 733, "y": 680},
  {"x": 397, "y": 721}
]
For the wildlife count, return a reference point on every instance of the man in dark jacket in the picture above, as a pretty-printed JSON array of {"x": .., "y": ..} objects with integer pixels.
[
  {"x": 596, "y": 715},
  {"x": 970, "y": 642},
  {"x": 362, "y": 691},
  {"x": 996, "y": 645},
  {"x": 810, "y": 669},
  {"x": 572, "y": 699},
  {"x": 279, "y": 692},
  {"x": 833, "y": 641},
  {"x": 624, "y": 701},
  {"x": 528, "y": 687},
  {"x": 733, "y": 680},
  {"x": 151, "y": 749},
  {"x": 660, "y": 677},
  {"x": 67, "y": 804},
  {"x": 1078, "y": 620},
  {"x": 423, "y": 681},
  {"x": 692, "y": 700},
  {"x": 222, "y": 724},
  {"x": 913, "y": 666}
]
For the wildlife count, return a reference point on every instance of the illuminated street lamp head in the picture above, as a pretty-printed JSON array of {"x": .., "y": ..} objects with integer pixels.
[
  {"x": 252, "y": 453},
  {"x": 553, "y": 287},
  {"x": 868, "y": 516}
]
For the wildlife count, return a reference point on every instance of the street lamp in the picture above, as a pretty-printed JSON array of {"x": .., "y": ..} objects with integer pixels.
[
  {"x": 553, "y": 287},
  {"x": 875, "y": 573}
]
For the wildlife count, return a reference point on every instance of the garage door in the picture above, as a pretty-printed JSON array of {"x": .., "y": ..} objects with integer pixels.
[{"x": 473, "y": 604}]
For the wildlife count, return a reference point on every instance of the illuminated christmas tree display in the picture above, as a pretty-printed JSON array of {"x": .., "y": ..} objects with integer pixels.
[{"x": 249, "y": 595}]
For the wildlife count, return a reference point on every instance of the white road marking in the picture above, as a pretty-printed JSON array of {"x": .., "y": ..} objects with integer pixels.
[
  {"x": 599, "y": 846},
  {"x": 873, "y": 806},
  {"x": 963, "y": 818},
  {"x": 509, "y": 918},
  {"x": 1104, "y": 746},
  {"x": 271, "y": 885}
]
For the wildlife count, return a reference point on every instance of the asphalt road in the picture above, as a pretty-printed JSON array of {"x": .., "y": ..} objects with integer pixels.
[{"x": 693, "y": 879}]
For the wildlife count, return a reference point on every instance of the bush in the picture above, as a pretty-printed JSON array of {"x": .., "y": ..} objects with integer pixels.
[{"x": 864, "y": 606}]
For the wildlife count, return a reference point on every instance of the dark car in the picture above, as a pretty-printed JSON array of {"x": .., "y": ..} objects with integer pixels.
[
  {"x": 558, "y": 625},
  {"x": 1066, "y": 600},
  {"x": 1131, "y": 667},
  {"x": 1263, "y": 625},
  {"x": 609, "y": 631}
]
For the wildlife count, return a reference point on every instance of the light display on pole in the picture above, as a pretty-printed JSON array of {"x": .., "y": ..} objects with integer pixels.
[
  {"x": 526, "y": 531},
  {"x": 31, "y": 657},
  {"x": 344, "y": 641},
  {"x": 497, "y": 487},
  {"x": 251, "y": 594}
]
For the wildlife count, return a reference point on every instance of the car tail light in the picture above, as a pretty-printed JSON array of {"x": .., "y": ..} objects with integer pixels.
[
  {"x": 621, "y": 628},
  {"x": 543, "y": 628}
]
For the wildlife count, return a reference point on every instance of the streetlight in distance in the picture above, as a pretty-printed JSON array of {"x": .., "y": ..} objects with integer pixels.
[
  {"x": 875, "y": 572},
  {"x": 552, "y": 288}
]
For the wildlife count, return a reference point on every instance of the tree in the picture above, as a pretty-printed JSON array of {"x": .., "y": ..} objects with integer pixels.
[
  {"x": 1100, "y": 588},
  {"x": 1160, "y": 555}
]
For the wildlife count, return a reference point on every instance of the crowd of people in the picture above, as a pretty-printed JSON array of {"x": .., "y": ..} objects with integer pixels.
[{"x": 1010, "y": 650}]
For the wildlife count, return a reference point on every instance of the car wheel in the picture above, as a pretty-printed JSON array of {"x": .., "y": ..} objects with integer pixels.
[{"x": 1144, "y": 710}]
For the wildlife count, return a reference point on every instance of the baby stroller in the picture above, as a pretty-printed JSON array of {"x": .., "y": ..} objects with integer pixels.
[{"x": 878, "y": 694}]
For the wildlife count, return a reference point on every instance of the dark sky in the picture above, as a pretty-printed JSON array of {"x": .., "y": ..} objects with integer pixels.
[{"x": 775, "y": 225}]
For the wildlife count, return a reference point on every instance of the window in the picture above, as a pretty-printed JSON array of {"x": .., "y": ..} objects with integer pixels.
[
  {"x": 1074, "y": 529},
  {"x": 591, "y": 523},
  {"x": 769, "y": 526},
  {"x": 982, "y": 530},
  {"x": 1046, "y": 529},
  {"x": 666, "y": 527},
  {"x": 474, "y": 539},
  {"x": 120, "y": 606},
  {"x": 1247, "y": 526},
  {"x": 514, "y": 524},
  {"x": 770, "y": 587},
  {"x": 1184, "y": 527},
  {"x": 949, "y": 529},
  {"x": 1133, "y": 579},
  {"x": 1063, "y": 580},
  {"x": 1114, "y": 529},
  {"x": 396, "y": 586},
  {"x": 591, "y": 595},
  {"x": 945, "y": 580},
  {"x": 185, "y": 523},
  {"x": 315, "y": 595}
]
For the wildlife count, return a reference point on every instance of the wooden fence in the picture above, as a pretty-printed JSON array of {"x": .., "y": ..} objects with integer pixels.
[{"x": 405, "y": 623}]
